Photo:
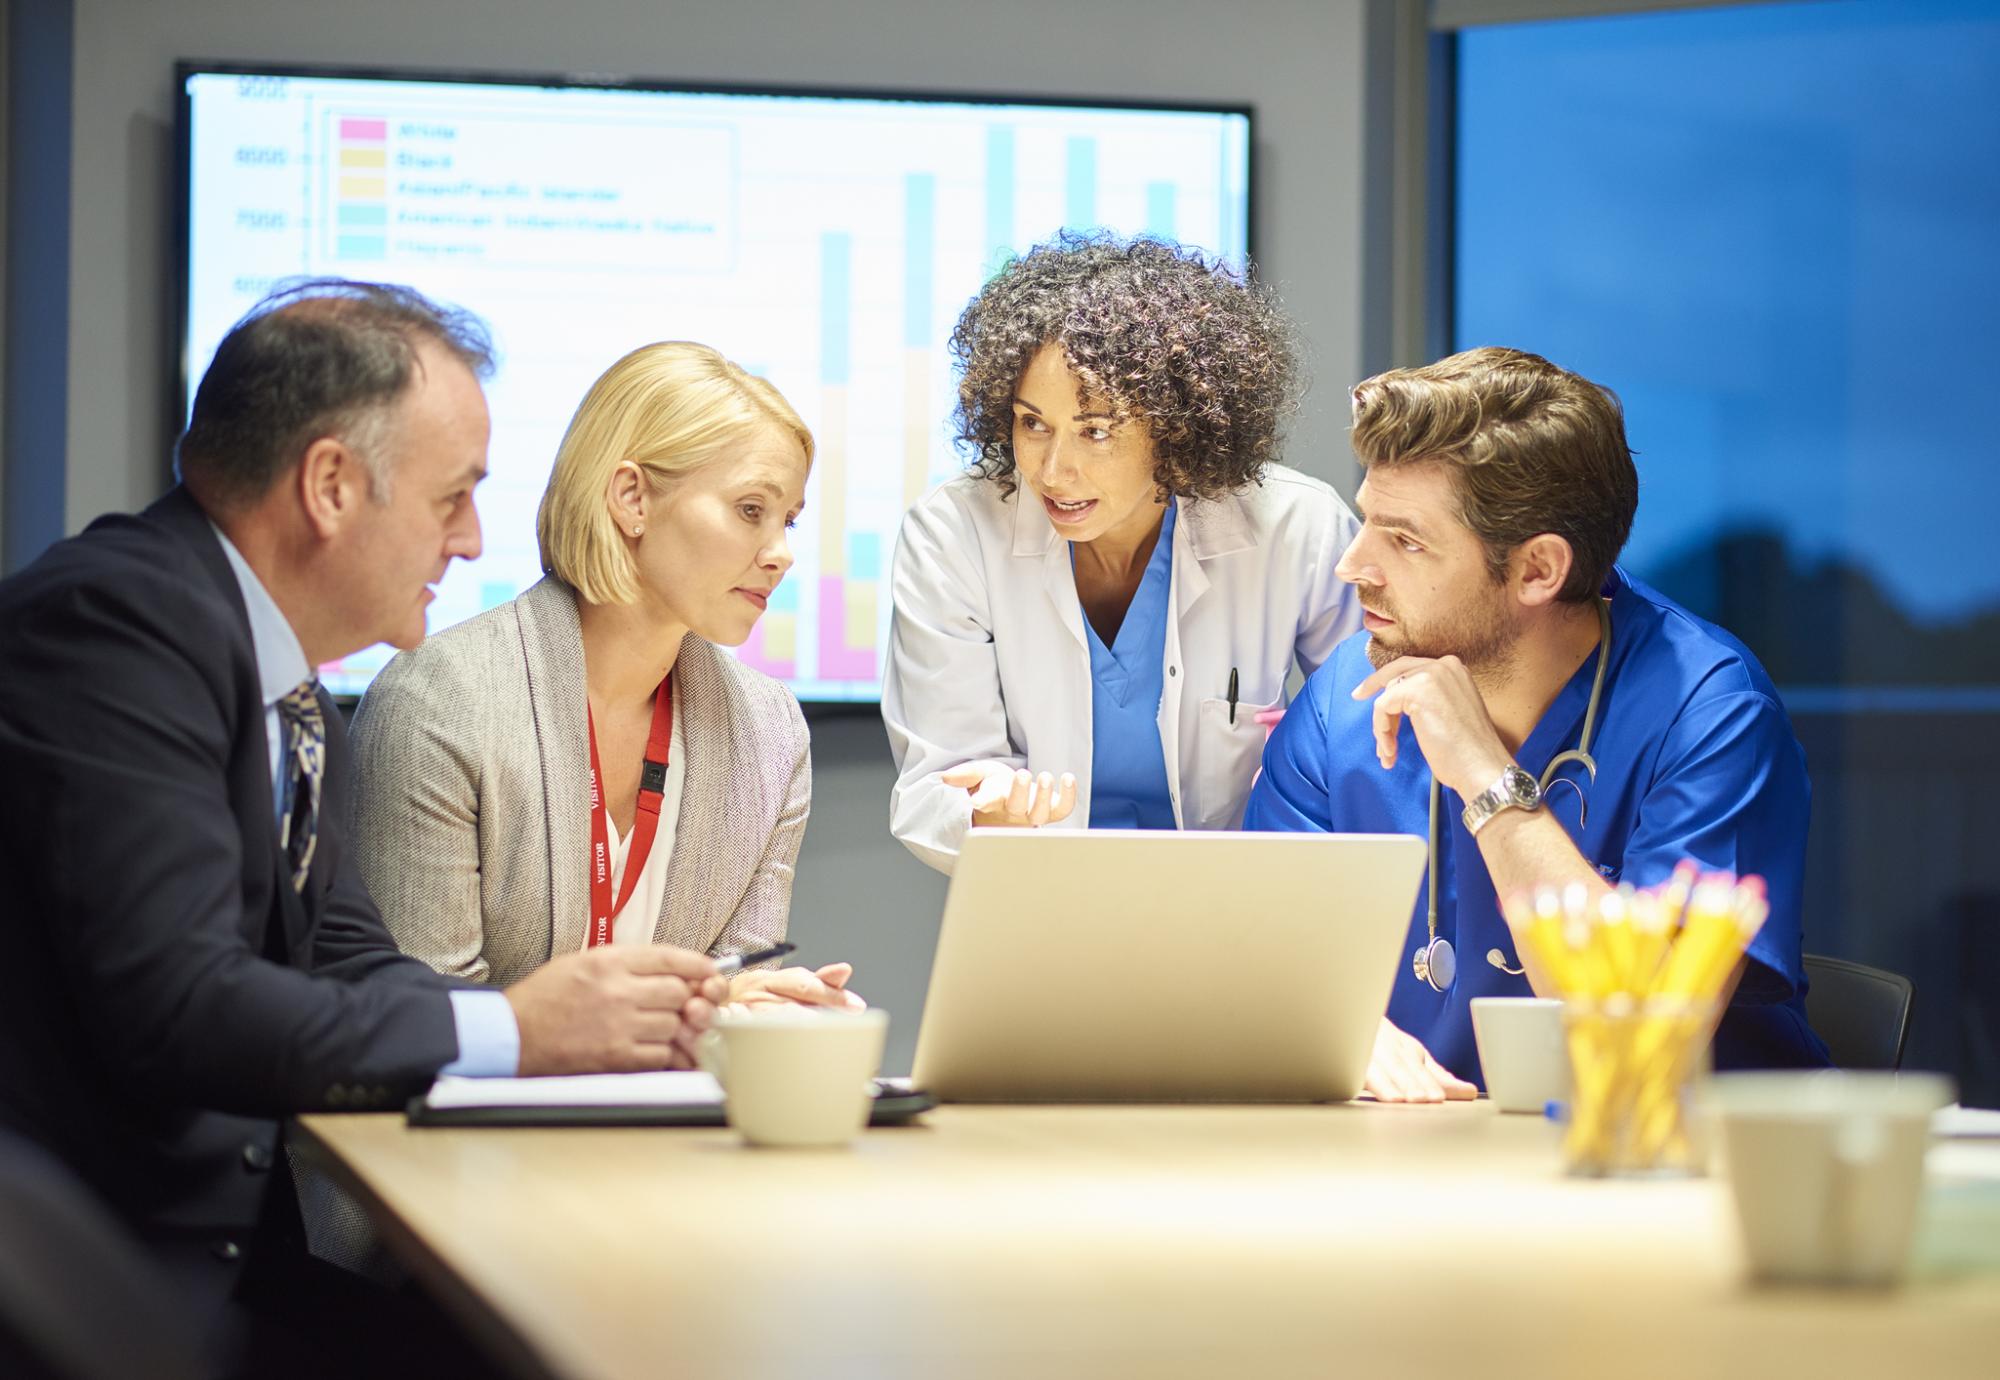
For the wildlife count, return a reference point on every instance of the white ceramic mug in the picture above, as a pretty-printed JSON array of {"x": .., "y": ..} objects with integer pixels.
[
  {"x": 1827, "y": 1169},
  {"x": 1521, "y": 1051},
  {"x": 796, "y": 1075}
]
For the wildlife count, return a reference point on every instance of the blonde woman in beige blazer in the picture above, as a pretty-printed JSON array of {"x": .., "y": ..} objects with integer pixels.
[{"x": 663, "y": 529}]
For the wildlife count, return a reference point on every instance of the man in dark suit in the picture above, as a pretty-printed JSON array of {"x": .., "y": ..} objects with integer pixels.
[{"x": 189, "y": 955}]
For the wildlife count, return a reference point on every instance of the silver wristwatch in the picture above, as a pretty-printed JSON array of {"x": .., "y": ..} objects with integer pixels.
[{"x": 1515, "y": 790}]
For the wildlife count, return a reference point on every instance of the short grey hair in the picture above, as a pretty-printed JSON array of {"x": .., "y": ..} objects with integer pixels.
[{"x": 319, "y": 357}]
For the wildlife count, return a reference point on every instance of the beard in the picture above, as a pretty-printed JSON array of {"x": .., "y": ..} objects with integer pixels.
[{"x": 1477, "y": 633}]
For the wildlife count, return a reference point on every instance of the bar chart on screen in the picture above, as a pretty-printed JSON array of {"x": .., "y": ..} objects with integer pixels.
[{"x": 826, "y": 243}]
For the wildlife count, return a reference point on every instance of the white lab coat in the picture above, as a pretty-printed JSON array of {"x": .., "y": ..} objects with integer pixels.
[{"x": 988, "y": 659}]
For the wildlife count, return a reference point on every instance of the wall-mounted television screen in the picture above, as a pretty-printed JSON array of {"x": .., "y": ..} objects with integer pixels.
[{"x": 827, "y": 241}]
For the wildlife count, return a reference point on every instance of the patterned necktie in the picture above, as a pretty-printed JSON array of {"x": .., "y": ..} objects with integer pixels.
[{"x": 305, "y": 757}]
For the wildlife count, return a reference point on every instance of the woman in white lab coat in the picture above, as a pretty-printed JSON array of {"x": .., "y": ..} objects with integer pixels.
[{"x": 1088, "y": 623}]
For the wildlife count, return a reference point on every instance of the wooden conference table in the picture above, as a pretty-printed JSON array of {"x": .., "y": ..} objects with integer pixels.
[{"x": 1358, "y": 1240}]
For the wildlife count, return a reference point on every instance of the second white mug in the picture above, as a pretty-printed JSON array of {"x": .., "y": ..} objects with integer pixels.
[
  {"x": 1521, "y": 1051},
  {"x": 1827, "y": 1169}
]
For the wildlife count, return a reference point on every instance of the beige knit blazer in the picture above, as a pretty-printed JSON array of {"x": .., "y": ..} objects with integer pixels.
[{"x": 471, "y": 815}]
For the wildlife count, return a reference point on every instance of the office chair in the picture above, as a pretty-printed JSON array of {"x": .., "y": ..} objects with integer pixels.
[
  {"x": 1979, "y": 999},
  {"x": 79, "y": 1299},
  {"x": 1862, "y": 1013}
]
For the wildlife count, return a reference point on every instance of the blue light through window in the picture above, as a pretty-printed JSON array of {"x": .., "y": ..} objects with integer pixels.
[{"x": 1775, "y": 231}]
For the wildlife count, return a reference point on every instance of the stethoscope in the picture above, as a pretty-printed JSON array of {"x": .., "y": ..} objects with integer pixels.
[{"x": 1436, "y": 963}]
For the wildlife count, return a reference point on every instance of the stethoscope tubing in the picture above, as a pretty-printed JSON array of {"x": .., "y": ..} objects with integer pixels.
[{"x": 1427, "y": 968}]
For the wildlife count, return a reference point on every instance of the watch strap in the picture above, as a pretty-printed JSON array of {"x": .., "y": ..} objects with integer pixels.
[{"x": 1514, "y": 790}]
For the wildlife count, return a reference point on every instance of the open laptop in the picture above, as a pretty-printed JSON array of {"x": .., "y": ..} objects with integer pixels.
[{"x": 1116, "y": 965}]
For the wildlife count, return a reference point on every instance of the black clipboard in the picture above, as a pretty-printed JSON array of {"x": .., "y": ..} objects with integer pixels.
[{"x": 896, "y": 1104}]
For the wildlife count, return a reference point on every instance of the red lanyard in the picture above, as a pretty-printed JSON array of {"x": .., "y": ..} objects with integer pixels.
[{"x": 652, "y": 781}]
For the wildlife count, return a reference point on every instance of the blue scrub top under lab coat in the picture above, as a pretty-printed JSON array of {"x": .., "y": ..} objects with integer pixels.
[
  {"x": 1695, "y": 759},
  {"x": 1128, "y": 764}
]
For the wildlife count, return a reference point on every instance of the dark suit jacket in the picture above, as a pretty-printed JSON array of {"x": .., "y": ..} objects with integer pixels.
[{"x": 165, "y": 996}]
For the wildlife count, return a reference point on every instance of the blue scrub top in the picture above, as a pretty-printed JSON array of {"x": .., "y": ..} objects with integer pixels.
[
  {"x": 1128, "y": 765},
  {"x": 1695, "y": 759}
]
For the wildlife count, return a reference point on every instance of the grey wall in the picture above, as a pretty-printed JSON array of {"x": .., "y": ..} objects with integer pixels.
[
  {"x": 1300, "y": 62},
  {"x": 34, "y": 307}
]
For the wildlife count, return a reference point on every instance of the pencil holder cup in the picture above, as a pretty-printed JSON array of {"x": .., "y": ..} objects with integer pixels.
[{"x": 1634, "y": 1062}]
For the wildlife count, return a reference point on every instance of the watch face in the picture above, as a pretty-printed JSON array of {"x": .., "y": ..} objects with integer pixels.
[{"x": 1523, "y": 788}]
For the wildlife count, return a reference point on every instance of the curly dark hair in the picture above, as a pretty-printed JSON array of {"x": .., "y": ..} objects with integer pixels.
[{"x": 1206, "y": 360}]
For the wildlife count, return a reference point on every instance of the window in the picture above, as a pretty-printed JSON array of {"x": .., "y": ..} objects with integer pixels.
[{"x": 1774, "y": 230}]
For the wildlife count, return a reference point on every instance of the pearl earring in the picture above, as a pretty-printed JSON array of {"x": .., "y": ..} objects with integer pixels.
[{"x": 637, "y": 528}]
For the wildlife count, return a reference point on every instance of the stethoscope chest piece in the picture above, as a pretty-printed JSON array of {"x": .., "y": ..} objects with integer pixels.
[{"x": 1436, "y": 963}]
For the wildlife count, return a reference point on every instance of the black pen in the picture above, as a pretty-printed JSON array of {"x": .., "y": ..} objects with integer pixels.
[
  {"x": 736, "y": 963},
  {"x": 1232, "y": 694}
]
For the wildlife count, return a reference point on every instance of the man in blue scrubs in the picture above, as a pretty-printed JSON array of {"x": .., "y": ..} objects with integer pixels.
[{"x": 1498, "y": 494}]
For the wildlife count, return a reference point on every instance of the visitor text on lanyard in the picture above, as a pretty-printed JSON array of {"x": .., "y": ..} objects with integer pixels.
[{"x": 652, "y": 782}]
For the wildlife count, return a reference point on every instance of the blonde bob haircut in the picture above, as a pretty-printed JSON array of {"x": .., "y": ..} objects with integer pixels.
[{"x": 669, "y": 408}]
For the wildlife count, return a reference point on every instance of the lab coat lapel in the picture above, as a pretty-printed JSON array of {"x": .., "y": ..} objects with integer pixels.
[
  {"x": 1203, "y": 529},
  {"x": 1035, "y": 536},
  {"x": 1185, "y": 583},
  {"x": 1206, "y": 528},
  {"x": 558, "y": 696}
]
